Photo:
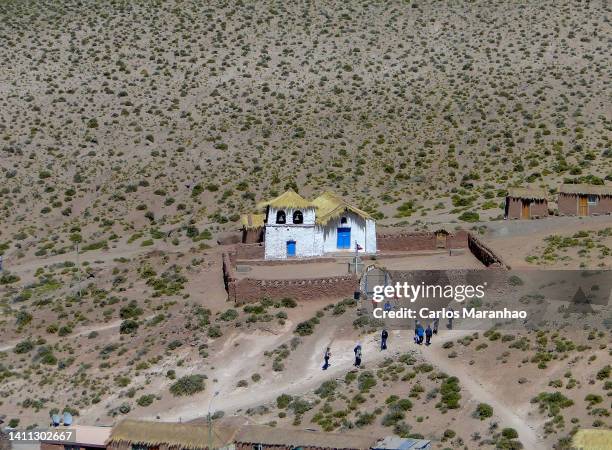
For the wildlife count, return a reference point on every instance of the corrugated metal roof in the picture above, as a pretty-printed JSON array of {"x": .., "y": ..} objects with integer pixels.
[{"x": 398, "y": 443}]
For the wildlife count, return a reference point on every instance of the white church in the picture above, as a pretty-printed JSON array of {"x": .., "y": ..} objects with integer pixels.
[{"x": 294, "y": 227}]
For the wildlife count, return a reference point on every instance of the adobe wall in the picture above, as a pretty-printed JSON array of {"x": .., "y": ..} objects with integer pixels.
[
  {"x": 513, "y": 207},
  {"x": 538, "y": 208},
  {"x": 406, "y": 241},
  {"x": 567, "y": 204},
  {"x": 484, "y": 254},
  {"x": 603, "y": 206},
  {"x": 252, "y": 236},
  {"x": 249, "y": 251},
  {"x": 459, "y": 239},
  {"x": 415, "y": 241},
  {"x": 248, "y": 290}
]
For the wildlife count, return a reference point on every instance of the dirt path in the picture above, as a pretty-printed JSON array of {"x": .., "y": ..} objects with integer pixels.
[
  {"x": 300, "y": 377},
  {"x": 306, "y": 375},
  {"x": 481, "y": 393}
]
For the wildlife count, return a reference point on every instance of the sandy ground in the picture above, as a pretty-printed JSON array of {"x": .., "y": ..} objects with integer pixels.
[
  {"x": 307, "y": 375},
  {"x": 415, "y": 261},
  {"x": 516, "y": 239}
]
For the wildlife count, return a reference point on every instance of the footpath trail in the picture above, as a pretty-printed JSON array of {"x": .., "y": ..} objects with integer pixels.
[
  {"x": 302, "y": 375},
  {"x": 306, "y": 375},
  {"x": 480, "y": 393}
]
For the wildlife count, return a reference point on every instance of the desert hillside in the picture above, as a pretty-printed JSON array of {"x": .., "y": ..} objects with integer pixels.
[
  {"x": 119, "y": 116},
  {"x": 134, "y": 134}
]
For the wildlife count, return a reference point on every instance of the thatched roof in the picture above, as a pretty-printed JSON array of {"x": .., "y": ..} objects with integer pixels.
[
  {"x": 87, "y": 436},
  {"x": 289, "y": 199},
  {"x": 592, "y": 439},
  {"x": 184, "y": 436},
  {"x": 528, "y": 193},
  {"x": 252, "y": 221},
  {"x": 261, "y": 434},
  {"x": 585, "y": 189},
  {"x": 330, "y": 206}
]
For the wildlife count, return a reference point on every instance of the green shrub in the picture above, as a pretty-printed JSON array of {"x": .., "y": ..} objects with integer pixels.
[
  {"x": 483, "y": 411},
  {"x": 188, "y": 385},
  {"x": 146, "y": 400},
  {"x": 283, "y": 400}
]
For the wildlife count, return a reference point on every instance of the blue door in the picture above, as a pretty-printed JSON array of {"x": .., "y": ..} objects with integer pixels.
[
  {"x": 290, "y": 248},
  {"x": 344, "y": 238}
]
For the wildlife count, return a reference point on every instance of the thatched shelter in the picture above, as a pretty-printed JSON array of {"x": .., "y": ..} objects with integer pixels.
[
  {"x": 585, "y": 200},
  {"x": 287, "y": 200},
  {"x": 526, "y": 203},
  {"x": 130, "y": 434},
  {"x": 252, "y": 228},
  {"x": 168, "y": 436},
  {"x": 592, "y": 439},
  {"x": 265, "y": 437},
  {"x": 330, "y": 206}
]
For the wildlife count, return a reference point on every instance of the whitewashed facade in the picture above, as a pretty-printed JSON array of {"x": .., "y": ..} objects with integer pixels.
[{"x": 286, "y": 236}]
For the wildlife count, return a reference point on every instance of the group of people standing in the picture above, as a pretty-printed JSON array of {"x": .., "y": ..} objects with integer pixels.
[
  {"x": 427, "y": 333},
  {"x": 384, "y": 335},
  {"x": 420, "y": 334}
]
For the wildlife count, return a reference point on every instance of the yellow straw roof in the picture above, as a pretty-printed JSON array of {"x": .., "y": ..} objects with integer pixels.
[
  {"x": 592, "y": 440},
  {"x": 289, "y": 199},
  {"x": 183, "y": 436},
  {"x": 252, "y": 221},
  {"x": 330, "y": 206},
  {"x": 529, "y": 193},
  {"x": 585, "y": 189}
]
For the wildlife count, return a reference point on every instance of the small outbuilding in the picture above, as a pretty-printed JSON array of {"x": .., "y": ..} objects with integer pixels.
[
  {"x": 398, "y": 443},
  {"x": 83, "y": 437},
  {"x": 262, "y": 437},
  {"x": 584, "y": 200},
  {"x": 526, "y": 203},
  {"x": 143, "y": 435},
  {"x": 252, "y": 228}
]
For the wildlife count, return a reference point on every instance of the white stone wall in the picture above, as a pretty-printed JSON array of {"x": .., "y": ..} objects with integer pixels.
[
  {"x": 304, "y": 236},
  {"x": 313, "y": 240},
  {"x": 307, "y": 213},
  {"x": 370, "y": 239},
  {"x": 363, "y": 231}
]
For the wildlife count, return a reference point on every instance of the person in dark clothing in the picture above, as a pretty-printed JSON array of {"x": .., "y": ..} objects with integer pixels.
[
  {"x": 435, "y": 325},
  {"x": 428, "y": 334},
  {"x": 420, "y": 332},
  {"x": 357, "y": 351},
  {"x": 383, "y": 339},
  {"x": 326, "y": 358}
]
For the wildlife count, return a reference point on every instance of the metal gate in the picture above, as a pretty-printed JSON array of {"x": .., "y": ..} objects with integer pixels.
[{"x": 373, "y": 276}]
